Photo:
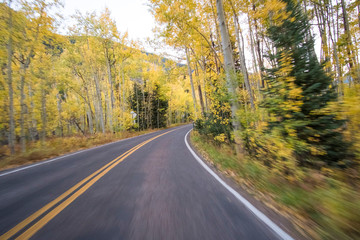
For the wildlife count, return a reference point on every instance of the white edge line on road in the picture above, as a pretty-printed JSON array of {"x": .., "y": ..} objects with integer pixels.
[
  {"x": 70, "y": 154},
  {"x": 281, "y": 233}
]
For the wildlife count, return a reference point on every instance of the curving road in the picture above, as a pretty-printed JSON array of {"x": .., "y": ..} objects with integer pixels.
[{"x": 147, "y": 187}]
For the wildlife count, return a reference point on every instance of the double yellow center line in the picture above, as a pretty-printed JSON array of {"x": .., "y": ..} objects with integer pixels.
[{"x": 67, "y": 198}]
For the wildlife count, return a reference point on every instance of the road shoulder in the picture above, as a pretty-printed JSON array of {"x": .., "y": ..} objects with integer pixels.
[{"x": 255, "y": 198}]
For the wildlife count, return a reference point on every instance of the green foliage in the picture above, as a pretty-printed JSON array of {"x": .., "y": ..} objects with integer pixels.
[
  {"x": 299, "y": 93},
  {"x": 150, "y": 106},
  {"x": 212, "y": 127},
  {"x": 217, "y": 122}
]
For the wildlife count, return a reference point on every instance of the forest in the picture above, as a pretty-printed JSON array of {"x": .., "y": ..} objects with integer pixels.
[
  {"x": 271, "y": 86},
  {"x": 275, "y": 88},
  {"x": 93, "y": 80}
]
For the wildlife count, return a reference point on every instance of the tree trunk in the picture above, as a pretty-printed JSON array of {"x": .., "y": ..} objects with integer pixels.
[
  {"x": 349, "y": 50},
  {"x": 358, "y": 8},
  {"x": 108, "y": 115},
  {"x": 243, "y": 62},
  {"x": 144, "y": 120},
  {"x": 320, "y": 15},
  {"x": 217, "y": 33},
  {"x": 333, "y": 39},
  {"x": 108, "y": 65},
  {"x": 191, "y": 79},
  {"x": 230, "y": 74},
  {"x": 112, "y": 98},
  {"x": 90, "y": 120},
  {"x": 199, "y": 91},
  {"x": 100, "y": 108},
  {"x": 96, "y": 109},
  {"x": 170, "y": 114},
  {"x": 258, "y": 50},
  {"x": 121, "y": 115},
  {"x": 252, "y": 44},
  {"x": 59, "y": 107},
  {"x": 158, "y": 113},
  {"x": 43, "y": 116},
  {"x": 32, "y": 123},
  {"x": 10, "y": 53},
  {"x": 201, "y": 100},
  {"x": 89, "y": 112},
  {"x": 203, "y": 68},
  {"x": 137, "y": 107},
  {"x": 23, "y": 108},
  {"x": 123, "y": 92},
  {"x": 213, "y": 43}
]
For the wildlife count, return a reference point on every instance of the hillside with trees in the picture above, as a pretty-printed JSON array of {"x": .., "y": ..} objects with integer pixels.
[{"x": 93, "y": 80}]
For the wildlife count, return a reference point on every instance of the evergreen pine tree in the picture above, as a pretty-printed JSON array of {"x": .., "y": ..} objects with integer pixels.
[
  {"x": 159, "y": 108},
  {"x": 299, "y": 92}
]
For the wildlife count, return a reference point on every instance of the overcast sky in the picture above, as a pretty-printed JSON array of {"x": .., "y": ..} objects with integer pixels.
[{"x": 130, "y": 15}]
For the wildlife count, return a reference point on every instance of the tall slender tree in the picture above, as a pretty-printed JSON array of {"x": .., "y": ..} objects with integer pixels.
[
  {"x": 231, "y": 77},
  {"x": 10, "y": 54}
]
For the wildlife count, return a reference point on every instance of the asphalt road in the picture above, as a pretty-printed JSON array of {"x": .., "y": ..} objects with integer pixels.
[{"x": 157, "y": 190}]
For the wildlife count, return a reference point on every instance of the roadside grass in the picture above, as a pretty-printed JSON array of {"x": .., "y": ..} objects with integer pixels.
[
  {"x": 319, "y": 206},
  {"x": 52, "y": 147}
]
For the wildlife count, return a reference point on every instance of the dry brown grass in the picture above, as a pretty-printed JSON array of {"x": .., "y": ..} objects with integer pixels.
[{"x": 52, "y": 147}]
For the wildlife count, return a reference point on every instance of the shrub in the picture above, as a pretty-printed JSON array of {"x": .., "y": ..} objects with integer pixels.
[{"x": 213, "y": 127}]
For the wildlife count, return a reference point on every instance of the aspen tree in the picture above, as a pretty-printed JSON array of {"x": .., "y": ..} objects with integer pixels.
[{"x": 231, "y": 78}]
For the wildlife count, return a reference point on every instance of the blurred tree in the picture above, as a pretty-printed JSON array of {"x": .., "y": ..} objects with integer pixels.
[{"x": 299, "y": 91}]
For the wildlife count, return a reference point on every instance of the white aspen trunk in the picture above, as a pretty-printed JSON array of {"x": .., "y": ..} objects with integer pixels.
[
  {"x": 243, "y": 63},
  {"x": 191, "y": 80},
  {"x": 89, "y": 111},
  {"x": 258, "y": 51},
  {"x": 33, "y": 122},
  {"x": 43, "y": 115},
  {"x": 123, "y": 92},
  {"x": 351, "y": 58},
  {"x": 90, "y": 120},
  {"x": 205, "y": 94},
  {"x": 108, "y": 65},
  {"x": 108, "y": 111},
  {"x": 230, "y": 74},
  {"x": 333, "y": 39},
  {"x": 257, "y": 70},
  {"x": 100, "y": 108},
  {"x": 121, "y": 115},
  {"x": 217, "y": 30},
  {"x": 213, "y": 43},
  {"x": 358, "y": 8},
  {"x": 112, "y": 98},
  {"x": 203, "y": 68},
  {"x": 96, "y": 115},
  {"x": 137, "y": 107},
  {"x": 10, "y": 53},
  {"x": 23, "y": 108},
  {"x": 60, "y": 117}
]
